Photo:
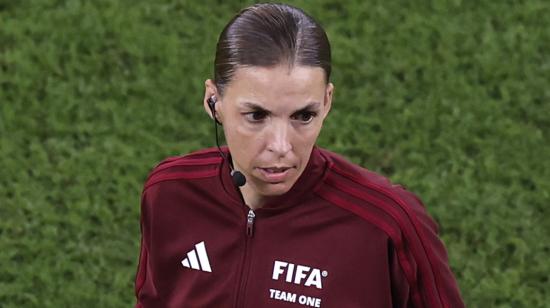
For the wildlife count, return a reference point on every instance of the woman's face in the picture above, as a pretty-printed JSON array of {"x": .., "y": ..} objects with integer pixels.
[{"x": 271, "y": 119}]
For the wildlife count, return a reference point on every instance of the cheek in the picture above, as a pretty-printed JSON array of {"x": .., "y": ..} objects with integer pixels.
[
  {"x": 307, "y": 136},
  {"x": 243, "y": 143}
]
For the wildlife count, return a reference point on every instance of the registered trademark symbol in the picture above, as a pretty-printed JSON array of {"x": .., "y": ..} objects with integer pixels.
[{"x": 324, "y": 273}]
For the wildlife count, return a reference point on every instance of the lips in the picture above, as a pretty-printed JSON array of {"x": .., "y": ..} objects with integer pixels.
[
  {"x": 275, "y": 174},
  {"x": 275, "y": 169}
]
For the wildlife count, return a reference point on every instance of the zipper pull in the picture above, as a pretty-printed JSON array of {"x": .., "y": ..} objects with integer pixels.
[{"x": 250, "y": 223}]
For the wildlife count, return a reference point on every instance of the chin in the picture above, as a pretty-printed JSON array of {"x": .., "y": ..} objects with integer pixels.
[{"x": 275, "y": 189}]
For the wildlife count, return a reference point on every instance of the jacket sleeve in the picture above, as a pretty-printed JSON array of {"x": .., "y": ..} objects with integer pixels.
[
  {"x": 427, "y": 279},
  {"x": 400, "y": 288},
  {"x": 145, "y": 289}
]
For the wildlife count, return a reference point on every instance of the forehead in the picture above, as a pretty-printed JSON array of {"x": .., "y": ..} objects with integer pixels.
[{"x": 278, "y": 84}]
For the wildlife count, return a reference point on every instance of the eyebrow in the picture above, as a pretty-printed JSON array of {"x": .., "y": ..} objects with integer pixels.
[{"x": 253, "y": 106}]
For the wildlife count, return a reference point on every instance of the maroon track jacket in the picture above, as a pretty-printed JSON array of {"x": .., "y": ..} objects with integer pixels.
[{"x": 341, "y": 237}]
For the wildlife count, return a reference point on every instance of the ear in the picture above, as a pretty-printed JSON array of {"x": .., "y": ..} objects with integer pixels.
[
  {"x": 210, "y": 91},
  {"x": 329, "y": 91}
]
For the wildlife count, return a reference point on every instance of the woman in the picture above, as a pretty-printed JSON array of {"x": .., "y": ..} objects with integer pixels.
[{"x": 272, "y": 220}]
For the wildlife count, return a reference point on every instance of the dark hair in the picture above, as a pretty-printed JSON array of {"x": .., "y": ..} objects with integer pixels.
[{"x": 269, "y": 34}]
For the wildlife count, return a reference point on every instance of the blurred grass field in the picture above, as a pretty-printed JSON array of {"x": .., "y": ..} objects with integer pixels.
[{"x": 450, "y": 98}]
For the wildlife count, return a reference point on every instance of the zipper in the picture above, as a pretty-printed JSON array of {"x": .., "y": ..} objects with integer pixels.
[
  {"x": 245, "y": 268},
  {"x": 250, "y": 223}
]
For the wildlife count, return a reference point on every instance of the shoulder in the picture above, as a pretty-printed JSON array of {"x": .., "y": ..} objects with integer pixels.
[
  {"x": 374, "y": 197},
  {"x": 199, "y": 164},
  {"x": 399, "y": 214},
  {"x": 359, "y": 177},
  {"x": 352, "y": 172}
]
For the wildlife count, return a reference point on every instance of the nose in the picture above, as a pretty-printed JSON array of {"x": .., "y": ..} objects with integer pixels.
[{"x": 279, "y": 139}]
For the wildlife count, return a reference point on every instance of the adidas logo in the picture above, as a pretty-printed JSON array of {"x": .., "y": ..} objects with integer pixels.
[{"x": 197, "y": 259}]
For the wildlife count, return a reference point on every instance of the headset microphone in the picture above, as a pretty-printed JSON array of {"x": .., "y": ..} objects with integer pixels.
[{"x": 237, "y": 176}]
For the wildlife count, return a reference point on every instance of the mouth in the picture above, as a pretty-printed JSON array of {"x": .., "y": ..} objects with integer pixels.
[
  {"x": 275, "y": 169},
  {"x": 275, "y": 174}
]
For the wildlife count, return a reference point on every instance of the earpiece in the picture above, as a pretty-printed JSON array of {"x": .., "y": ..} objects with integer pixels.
[{"x": 211, "y": 104}]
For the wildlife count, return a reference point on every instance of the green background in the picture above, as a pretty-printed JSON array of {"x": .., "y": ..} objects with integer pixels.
[{"x": 450, "y": 98}]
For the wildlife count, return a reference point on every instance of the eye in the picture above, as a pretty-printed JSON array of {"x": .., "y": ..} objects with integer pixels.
[
  {"x": 304, "y": 117},
  {"x": 256, "y": 116}
]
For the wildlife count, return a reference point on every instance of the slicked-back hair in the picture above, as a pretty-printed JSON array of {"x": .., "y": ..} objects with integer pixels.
[{"x": 270, "y": 34}]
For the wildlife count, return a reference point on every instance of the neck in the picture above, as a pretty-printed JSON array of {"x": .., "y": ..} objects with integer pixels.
[{"x": 251, "y": 198}]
